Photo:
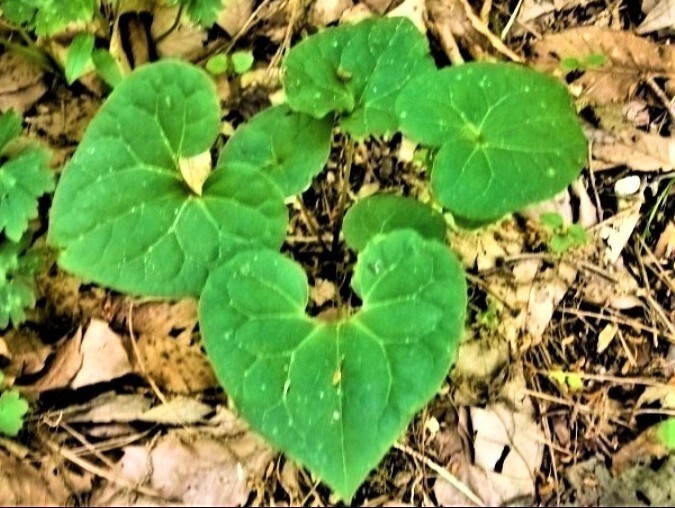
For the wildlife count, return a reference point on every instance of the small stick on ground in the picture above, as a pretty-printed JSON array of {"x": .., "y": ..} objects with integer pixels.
[
  {"x": 668, "y": 103},
  {"x": 442, "y": 472}
]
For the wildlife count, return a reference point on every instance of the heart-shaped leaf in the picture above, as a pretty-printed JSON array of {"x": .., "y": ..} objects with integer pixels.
[
  {"x": 356, "y": 71},
  {"x": 122, "y": 213},
  {"x": 508, "y": 136},
  {"x": 335, "y": 396},
  {"x": 383, "y": 213},
  {"x": 291, "y": 148}
]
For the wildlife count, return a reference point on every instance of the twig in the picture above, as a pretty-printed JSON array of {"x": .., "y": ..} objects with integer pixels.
[
  {"x": 98, "y": 471},
  {"x": 139, "y": 359},
  {"x": 442, "y": 472},
  {"x": 484, "y": 30},
  {"x": 668, "y": 103},
  {"x": 509, "y": 24}
]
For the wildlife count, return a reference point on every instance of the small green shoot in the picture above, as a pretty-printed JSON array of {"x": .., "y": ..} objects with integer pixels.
[
  {"x": 107, "y": 67},
  {"x": 567, "y": 380},
  {"x": 590, "y": 62},
  {"x": 79, "y": 55},
  {"x": 13, "y": 408},
  {"x": 563, "y": 238}
]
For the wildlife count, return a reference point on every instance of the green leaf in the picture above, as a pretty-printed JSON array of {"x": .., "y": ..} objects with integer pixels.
[
  {"x": 204, "y": 12},
  {"x": 107, "y": 67},
  {"x": 552, "y": 221},
  {"x": 356, "y": 71},
  {"x": 291, "y": 148},
  {"x": 12, "y": 410},
  {"x": 47, "y": 17},
  {"x": 242, "y": 61},
  {"x": 122, "y": 213},
  {"x": 665, "y": 433},
  {"x": 507, "y": 136},
  {"x": 218, "y": 64},
  {"x": 79, "y": 54},
  {"x": 335, "y": 396},
  {"x": 18, "y": 268},
  {"x": 10, "y": 128},
  {"x": 23, "y": 179},
  {"x": 384, "y": 213}
]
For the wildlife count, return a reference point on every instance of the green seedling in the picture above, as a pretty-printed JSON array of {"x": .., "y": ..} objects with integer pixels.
[
  {"x": 79, "y": 55},
  {"x": 238, "y": 62},
  {"x": 590, "y": 62},
  {"x": 563, "y": 238},
  {"x": 13, "y": 408}
]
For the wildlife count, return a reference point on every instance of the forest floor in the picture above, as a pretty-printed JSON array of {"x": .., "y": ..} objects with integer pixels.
[{"x": 568, "y": 361}]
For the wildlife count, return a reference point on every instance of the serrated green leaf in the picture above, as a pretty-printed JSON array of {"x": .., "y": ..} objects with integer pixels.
[
  {"x": 356, "y": 71},
  {"x": 335, "y": 396},
  {"x": 122, "y": 214},
  {"x": 18, "y": 268},
  {"x": 384, "y": 213},
  {"x": 107, "y": 67},
  {"x": 291, "y": 148},
  {"x": 79, "y": 54},
  {"x": 242, "y": 61},
  {"x": 47, "y": 17},
  {"x": 507, "y": 136},
  {"x": 204, "y": 12},
  {"x": 10, "y": 128},
  {"x": 23, "y": 179},
  {"x": 12, "y": 410}
]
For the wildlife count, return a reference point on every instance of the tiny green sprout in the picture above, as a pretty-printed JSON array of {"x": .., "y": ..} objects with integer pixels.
[
  {"x": 79, "y": 55},
  {"x": 567, "y": 380},
  {"x": 563, "y": 238},
  {"x": 590, "y": 62},
  {"x": 242, "y": 61},
  {"x": 489, "y": 318},
  {"x": 218, "y": 64},
  {"x": 13, "y": 408}
]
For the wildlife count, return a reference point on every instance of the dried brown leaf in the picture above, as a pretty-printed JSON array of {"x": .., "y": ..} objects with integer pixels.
[
  {"x": 21, "y": 83},
  {"x": 104, "y": 357},
  {"x": 661, "y": 16},
  {"x": 629, "y": 60},
  {"x": 27, "y": 352},
  {"x": 21, "y": 484},
  {"x": 66, "y": 364},
  {"x": 191, "y": 469},
  {"x": 639, "y": 150}
]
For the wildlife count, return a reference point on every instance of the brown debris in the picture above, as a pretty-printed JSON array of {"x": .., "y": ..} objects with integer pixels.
[{"x": 629, "y": 60}]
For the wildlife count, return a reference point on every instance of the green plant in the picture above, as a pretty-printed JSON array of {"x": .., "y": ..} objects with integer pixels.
[
  {"x": 238, "y": 62},
  {"x": 138, "y": 209},
  {"x": 562, "y": 237},
  {"x": 24, "y": 178},
  {"x": 126, "y": 178},
  {"x": 13, "y": 408}
]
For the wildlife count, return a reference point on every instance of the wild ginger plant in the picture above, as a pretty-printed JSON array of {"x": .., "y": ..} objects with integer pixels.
[{"x": 139, "y": 209}]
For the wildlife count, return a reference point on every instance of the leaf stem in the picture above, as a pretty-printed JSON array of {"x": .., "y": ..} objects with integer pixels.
[
  {"x": 311, "y": 223},
  {"x": 168, "y": 32},
  {"x": 344, "y": 190}
]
